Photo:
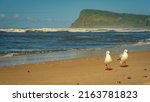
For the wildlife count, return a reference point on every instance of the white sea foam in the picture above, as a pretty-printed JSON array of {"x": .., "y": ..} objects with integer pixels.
[
  {"x": 142, "y": 42},
  {"x": 9, "y": 55}
]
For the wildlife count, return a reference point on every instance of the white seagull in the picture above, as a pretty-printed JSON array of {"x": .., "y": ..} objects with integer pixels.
[
  {"x": 123, "y": 58},
  {"x": 108, "y": 60}
]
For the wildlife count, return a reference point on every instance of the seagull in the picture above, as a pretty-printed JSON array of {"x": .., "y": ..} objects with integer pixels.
[
  {"x": 108, "y": 60},
  {"x": 123, "y": 58}
]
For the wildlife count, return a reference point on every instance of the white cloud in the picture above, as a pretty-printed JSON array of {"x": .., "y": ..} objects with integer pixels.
[
  {"x": 16, "y": 16},
  {"x": 49, "y": 19},
  {"x": 28, "y": 18},
  {"x": 9, "y": 16},
  {"x": 2, "y": 15}
]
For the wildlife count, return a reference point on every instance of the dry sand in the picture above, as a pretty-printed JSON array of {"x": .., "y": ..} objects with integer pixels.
[{"x": 83, "y": 71}]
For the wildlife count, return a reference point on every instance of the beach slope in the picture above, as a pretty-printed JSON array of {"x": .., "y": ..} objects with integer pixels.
[{"x": 80, "y": 71}]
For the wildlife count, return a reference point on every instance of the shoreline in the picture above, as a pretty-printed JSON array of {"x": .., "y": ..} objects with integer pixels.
[
  {"x": 29, "y": 58},
  {"x": 83, "y": 71}
]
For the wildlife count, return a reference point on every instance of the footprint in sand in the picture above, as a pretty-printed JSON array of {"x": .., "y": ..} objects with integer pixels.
[
  {"x": 129, "y": 78},
  {"x": 28, "y": 71},
  {"x": 145, "y": 76},
  {"x": 145, "y": 69},
  {"x": 118, "y": 82}
]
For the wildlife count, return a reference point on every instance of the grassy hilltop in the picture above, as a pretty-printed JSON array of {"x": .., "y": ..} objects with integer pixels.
[{"x": 97, "y": 18}]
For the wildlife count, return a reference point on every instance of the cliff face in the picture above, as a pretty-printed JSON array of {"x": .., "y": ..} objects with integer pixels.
[{"x": 98, "y": 18}]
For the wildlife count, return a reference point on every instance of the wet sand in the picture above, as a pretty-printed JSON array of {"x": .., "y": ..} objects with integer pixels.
[{"x": 80, "y": 71}]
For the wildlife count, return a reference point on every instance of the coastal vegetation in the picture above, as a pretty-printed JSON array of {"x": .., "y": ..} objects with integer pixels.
[{"x": 90, "y": 18}]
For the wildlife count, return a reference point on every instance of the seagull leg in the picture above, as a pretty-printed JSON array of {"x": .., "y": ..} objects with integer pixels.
[
  {"x": 121, "y": 64},
  {"x": 107, "y": 67},
  {"x": 110, "y": 68},
  {"x": 125, "y": 62}
]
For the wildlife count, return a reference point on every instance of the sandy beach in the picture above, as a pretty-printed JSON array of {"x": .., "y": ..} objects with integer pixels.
[{"x": 80, "y": 71}]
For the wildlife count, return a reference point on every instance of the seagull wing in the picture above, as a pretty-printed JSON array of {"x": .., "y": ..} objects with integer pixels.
[{"x": 120, "y": 56}]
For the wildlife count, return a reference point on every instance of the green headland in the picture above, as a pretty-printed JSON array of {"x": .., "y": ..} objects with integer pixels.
[{"x": 90, "y": 18}]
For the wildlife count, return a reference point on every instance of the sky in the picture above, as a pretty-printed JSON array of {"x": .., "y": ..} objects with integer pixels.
[{"x": 60, "y": 13}]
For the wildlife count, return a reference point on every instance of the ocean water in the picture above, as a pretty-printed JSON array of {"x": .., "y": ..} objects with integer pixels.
[{"x": 32, "y": 47}]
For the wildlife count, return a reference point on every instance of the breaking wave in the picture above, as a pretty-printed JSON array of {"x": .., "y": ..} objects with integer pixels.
[{"x": 142, "y": 42}]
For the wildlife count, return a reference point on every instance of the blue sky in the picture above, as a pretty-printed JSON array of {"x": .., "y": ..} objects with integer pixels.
[{"x": 60, "y": 13}]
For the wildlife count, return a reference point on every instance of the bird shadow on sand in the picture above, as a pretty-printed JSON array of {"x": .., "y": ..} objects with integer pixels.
[{"x": 124, "y": 65}]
